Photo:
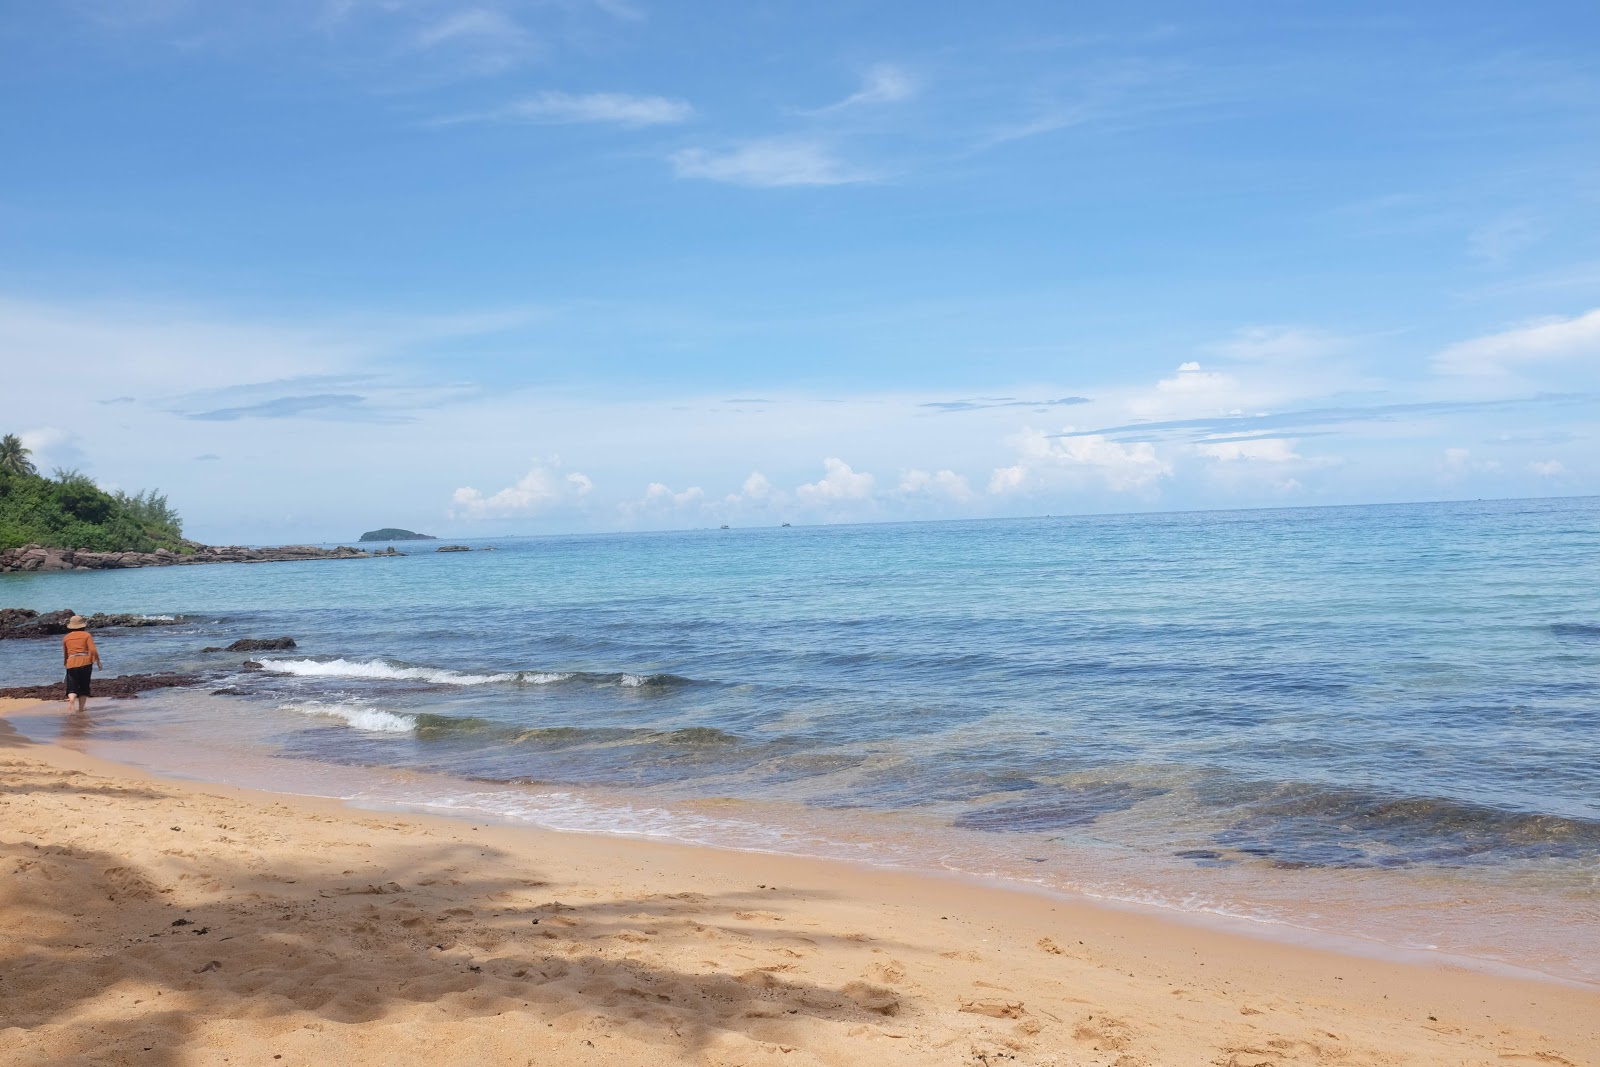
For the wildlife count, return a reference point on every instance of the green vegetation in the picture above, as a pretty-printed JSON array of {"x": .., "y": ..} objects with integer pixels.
[
  {"x": 67, "y": 510},
  {"x": 394, "y": 533}
]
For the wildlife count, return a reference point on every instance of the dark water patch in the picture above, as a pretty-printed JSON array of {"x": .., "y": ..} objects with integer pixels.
[
  {"x": 1581, "y": 630},
  {"x": 1057, "y": 808},
  {"x": 1317, "y": 826},
  {"x": 695, "y": 736},
  {"x": 1278, "y": 682}
]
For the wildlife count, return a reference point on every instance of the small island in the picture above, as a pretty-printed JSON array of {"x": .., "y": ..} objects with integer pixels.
[{"x": 392, "y": 533}]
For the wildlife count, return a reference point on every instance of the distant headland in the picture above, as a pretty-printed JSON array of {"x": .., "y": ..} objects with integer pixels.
[
  {"x": 394, "y": 533},
  {"x": 65, "y": 522}
]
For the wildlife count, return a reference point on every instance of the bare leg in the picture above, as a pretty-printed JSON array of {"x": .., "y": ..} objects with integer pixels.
[{"x": 83, "y": 704}]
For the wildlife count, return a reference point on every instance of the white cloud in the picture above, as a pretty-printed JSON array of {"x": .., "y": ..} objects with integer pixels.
[
  {"x": 1459, "y": 464},
  {"x": 1257, "y": 450},
  {"x": 1047, "y": 461},
  {"x": 1547, "y": 468},
  {"x": 768, "y": 163},
  {"x": 657, "y": 493},
  {"x": 756, "y": 487},
  {"x": 1543, "y": 340},
  {"x": 945, "y": 483},
  {"x": 538, "y": 490},
  {"x": 838, "y": 483},
  {"x": 621, "y": 109},
  {"x": 883, "y": 83}
]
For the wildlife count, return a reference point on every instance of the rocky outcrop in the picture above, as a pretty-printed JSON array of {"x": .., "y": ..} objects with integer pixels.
[
  {"x": 21, "y": 622},
  {"x": 261, "y": 644},
  {"x": 453, "y": 548},
  {"x": 40, "y": 558},
  {"x": 123, "y": 687}
]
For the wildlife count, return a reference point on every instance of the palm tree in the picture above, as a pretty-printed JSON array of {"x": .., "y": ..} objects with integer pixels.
[{"x": 14, "y": 457}]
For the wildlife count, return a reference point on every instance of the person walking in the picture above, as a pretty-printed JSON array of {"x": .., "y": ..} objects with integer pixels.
[{"x": 81, "y": 658}]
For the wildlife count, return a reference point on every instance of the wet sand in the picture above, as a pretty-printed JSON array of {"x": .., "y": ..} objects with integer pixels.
[{"x": 155, "y": 922}]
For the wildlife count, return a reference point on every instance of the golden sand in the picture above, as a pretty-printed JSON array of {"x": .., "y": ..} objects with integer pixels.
[{"x": 153, "y": 922}]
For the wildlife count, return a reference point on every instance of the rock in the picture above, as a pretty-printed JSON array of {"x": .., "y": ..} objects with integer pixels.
[
  {"x": 261, "y": 644},
  {"x": 122, "y": 687},
  {"x": 213, "y": 648},
  {"x": 21, "y": 622},
  {"x": 252, "y": 665},
  {"x": 453, "y": 548},
  {"x": 40, "y": 558}
]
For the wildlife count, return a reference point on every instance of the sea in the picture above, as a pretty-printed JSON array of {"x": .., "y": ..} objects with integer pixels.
[{"x": 1377, "y": 726}]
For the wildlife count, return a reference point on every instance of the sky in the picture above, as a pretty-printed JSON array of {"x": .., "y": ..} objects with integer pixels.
[{"x": 490, "y": 267}]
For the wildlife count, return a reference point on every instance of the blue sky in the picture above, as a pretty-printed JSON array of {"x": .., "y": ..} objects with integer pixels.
[{"x": 314, "y": 266}]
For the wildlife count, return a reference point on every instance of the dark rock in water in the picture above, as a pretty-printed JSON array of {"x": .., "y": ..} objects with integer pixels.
[
  {"x": 453, "y": 548},
  {"x": 21, "y": 622},
  {"x": 228, "y": 691},
  {"x": 42, "y": 558},
  {"x": 390, "y": 551},
  {"x": 261, "y": 644},
  {"x": 213, "y": 648},
  {"x": 394, "y": 533},
  {"x": 252, "y": 665},
  {"x": 122, "y": 687}
]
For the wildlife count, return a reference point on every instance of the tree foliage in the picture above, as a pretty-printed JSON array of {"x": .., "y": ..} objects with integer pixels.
[
  {"x": 68, "y": 510},
  {"x": 14, "y": 456}
]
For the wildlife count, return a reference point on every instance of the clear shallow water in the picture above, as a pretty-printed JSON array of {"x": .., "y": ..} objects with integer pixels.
[{"x": 1381, "y": 721}]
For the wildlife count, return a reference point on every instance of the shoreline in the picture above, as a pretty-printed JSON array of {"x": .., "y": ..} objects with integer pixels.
[{"x": 692, "y": 945}]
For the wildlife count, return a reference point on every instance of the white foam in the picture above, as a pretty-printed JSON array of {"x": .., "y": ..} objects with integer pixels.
[
  {"x": 359, "y": 716},
  {"x": 160, "y": 618},
  {"x": 632, "y": 681},
  {"x": 543, "y": 677},
  {"x": 378, "y": 670}
]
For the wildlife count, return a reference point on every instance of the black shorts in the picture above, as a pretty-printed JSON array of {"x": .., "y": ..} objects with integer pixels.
[{"x": 78, "y": 680}]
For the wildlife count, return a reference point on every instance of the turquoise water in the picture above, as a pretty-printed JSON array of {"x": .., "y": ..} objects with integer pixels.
[{"x": 1369, "y": 713}]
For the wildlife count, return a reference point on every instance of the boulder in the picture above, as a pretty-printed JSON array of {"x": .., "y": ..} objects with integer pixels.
[
  {"x": 22, "y": 622},
  {"x": 453, "y": 548},
  {"x": 123, "y": 687},
  {"x": 261, "y": 644}
]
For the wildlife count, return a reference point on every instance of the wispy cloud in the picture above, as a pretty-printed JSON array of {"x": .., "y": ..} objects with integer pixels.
[
  {"x": 344, "y": 406},
  {"x": 883, "y": 83},
  {"x": 1543, "y": 340},
  {"x": 483, "y": 40},
  {"x": 982, "y": 402},
  {"x": 620, "y": 109},
  {"x": 769, "y": 163},
  {"x": 1240, "y": 425}
]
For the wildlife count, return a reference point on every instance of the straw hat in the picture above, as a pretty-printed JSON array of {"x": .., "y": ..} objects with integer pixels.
[{"x": 77, "y": 622}]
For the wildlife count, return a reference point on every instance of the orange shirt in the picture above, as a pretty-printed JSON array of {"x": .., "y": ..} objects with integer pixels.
[{"x": 79, "y": 648}]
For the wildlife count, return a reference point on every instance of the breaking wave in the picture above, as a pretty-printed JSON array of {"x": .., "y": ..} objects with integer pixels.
[
  {"x": 381, "y": 670},
  {"x": 359, "y": 716}
]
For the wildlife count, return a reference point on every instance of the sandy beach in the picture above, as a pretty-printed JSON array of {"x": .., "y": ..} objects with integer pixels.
[{"x": 157, "y": 922}]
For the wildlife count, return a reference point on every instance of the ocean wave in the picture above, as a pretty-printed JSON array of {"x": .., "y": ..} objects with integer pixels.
[
  {"x": 378, "y": 670},
  {"x": 359, "y": 716},
  {"x": 382, "y": 670}
]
